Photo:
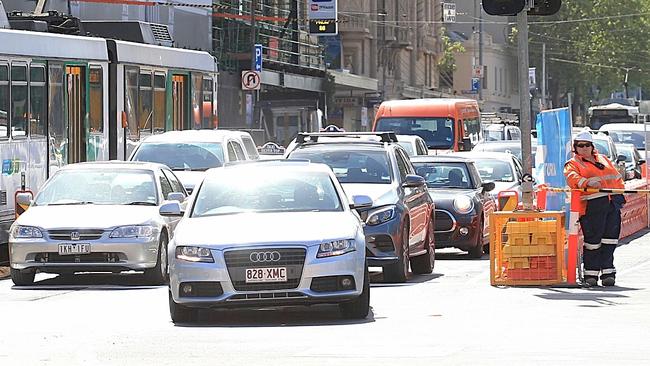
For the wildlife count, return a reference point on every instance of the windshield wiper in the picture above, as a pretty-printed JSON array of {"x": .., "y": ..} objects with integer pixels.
[
  {"x": 71, "y": 203},
  {"x": 141, "y": 203}
]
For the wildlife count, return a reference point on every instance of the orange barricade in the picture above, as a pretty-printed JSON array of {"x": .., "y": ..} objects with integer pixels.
[{"x": 634, "y": 215}]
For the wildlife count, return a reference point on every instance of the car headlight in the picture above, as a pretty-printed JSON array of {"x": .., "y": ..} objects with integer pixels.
[
  {"x": 194, "y": 254},
  {"x": 23, "y": 232},
  {"x": 336, "y": 247},
  {"x": 133, "y": 231},
  {"x": 380, "y": 216},
  {"x": 463, "y": 204}
]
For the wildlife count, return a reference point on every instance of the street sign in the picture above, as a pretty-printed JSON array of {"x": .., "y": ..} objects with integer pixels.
[
  {"x": 477, "y": 71},
  {"x": 448, "y": 12},
  {"x": 271, "y": 148},
  {"x": 469, "y": 91},
  {"x": 476, "y": 84},
  {"x": 258, "y": 57},
  {"x": 323, "y": 17},
  {"x": 250, "y": 80}
]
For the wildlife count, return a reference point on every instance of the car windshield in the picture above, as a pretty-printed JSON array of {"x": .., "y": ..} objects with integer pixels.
[
  {"x": 105, "y": 187},
  {"x": 514, "y": 149},
  {"x": 408, "y": 146},
  {"x": 493, "y": 170},
  {"x": 602, "y": 146},
  {"x": 443, "y": 175},
  {"x": 351, "y": 166},
  {"x": 494, "y": 134},
  {"x": 627, "y": 151},
  {"x": 438, "y": 133},
  {"x": 182, "y": 155},
  {"x": 629, "y": 137},
  {"x": 279, "y": 191}
]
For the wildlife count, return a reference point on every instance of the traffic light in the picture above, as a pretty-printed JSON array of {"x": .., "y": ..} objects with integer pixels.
[
  {"x": 503, "y": 7},
  {"x": 545, "y": 7}
]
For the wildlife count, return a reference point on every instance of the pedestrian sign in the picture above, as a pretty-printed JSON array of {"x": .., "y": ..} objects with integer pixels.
[{"x": 250, "y": 80}]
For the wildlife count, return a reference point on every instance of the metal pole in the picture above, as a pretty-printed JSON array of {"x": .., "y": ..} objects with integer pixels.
[
  {"x": 253, "y": 39},
  {"x": 40, "y": 6},
  {"x": 480, "y": 49},
  {"x": 524, "y": 106},
  {"x": 543, "y": 75}
]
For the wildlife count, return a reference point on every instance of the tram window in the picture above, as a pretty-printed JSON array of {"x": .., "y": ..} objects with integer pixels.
[
  {"x": 37, "y": 101},
  {"x": 57, "y": 128},
  {"x": 18, "y": 100},
  {"x": 159, "y": 102},
  {"x": 207, "y": 104},
  {"x": 131, "y": 102},
  {"x": 96, "y": 114},
  {"x": 145, "y": 102},
  {"x": 197, "y": 100},
  {"x": 4, "y": 101},
  {"x": 232, "y": 156}
]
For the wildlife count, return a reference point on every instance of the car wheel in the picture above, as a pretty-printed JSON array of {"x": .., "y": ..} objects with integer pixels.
[
  {"x": 423, "y": 264},
  {"x": 359, "y": 307},
  {"x": 398, "y": 272},
  {"x": 477, "y": 250},
  {"x": 22, "y": 278},
  {"x": 180, "y": 313},
  {"x": 158, "y": 274}
]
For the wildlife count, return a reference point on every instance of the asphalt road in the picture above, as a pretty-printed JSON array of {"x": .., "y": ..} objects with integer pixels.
[{"x": 450, "y": 317}]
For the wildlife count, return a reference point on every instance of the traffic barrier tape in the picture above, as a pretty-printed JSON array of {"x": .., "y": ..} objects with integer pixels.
[{"x": 596, "y": 190}]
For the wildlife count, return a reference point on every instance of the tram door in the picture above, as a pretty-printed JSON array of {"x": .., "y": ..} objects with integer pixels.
[
  {"x": 76, "y": 111},
  {"x": 179, "y": 102}
]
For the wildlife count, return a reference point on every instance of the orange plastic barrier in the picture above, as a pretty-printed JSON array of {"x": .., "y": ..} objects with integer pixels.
[{"x": 634, "y": 215}]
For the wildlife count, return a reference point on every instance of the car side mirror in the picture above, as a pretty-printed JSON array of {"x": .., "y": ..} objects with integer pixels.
[
  {"x": 24, "y": 199},
  {"x": 620, "y": 158},
  {"x": 641, "y": 162},
  {"x": 488, "y": 186},
  {"x": 413, "y": 181},
  {"x": 176, "y": 196},
  {"x": 467, "y": 144},
  {"x": 360, "y": 202},
  {"x": 171, "y": 209}
]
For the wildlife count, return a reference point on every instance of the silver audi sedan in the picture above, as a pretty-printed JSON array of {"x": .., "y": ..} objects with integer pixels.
[
  {"x": 268, "y": 233},
  {"x": 97, "y": 217}
]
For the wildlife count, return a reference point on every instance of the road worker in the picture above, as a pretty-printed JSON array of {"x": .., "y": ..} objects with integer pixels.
[{"x": 600, "y": 213}]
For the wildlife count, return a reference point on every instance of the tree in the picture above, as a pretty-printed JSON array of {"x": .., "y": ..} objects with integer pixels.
[{"x": 446, "y": 61}]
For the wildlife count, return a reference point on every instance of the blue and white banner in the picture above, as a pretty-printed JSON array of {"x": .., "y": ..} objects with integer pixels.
[{"x": 553, "y": 151}]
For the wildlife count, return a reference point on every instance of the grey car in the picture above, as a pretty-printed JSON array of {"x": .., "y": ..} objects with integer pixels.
[
  {"x": 96, "y": 217},
  {"x": 291, "y": 238}
]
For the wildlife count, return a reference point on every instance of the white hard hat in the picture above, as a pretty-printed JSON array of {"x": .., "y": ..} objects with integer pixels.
[{"x": 584, "y": 136}]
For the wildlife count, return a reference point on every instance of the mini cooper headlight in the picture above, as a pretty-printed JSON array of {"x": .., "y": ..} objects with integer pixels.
[
  {"x": 133, "y": 231},
  {"x": 380, "y": 216},
  {"x": 463, "y": 204},
  {"x": 336, "y": 247},
  {"x": 194, "y": 254},
  {"x": 23, "y": 232}
]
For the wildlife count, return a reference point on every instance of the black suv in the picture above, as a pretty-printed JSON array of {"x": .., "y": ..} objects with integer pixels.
[{"x": 400, "y": 224}]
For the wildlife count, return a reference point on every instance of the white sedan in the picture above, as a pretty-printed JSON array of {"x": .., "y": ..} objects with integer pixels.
[{"x": 268, "y": 233}]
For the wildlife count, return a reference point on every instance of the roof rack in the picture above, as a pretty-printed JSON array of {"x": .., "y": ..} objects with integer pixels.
[{"x": 385, "y": 136}]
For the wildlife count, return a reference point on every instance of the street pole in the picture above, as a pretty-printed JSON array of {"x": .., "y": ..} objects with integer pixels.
[
  {"x": 524, "y": 106},
  {"x": 543, "y": 76},
  {"x": 625, "y": 82},
  {"x": 480, "y": 49},
  {"x": 253, "y": 39}
]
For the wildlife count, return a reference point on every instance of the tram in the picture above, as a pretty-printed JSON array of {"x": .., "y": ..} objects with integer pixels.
[{"x": 67, "y": 99}]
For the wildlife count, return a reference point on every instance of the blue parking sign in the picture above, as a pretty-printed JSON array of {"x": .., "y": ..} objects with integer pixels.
[
  {"x": 258, "y": 57},
  {"x": 476, "y": 84}
]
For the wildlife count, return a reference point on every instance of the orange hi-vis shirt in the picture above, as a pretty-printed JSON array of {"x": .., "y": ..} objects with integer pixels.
[{"x": 579, "y": 172}]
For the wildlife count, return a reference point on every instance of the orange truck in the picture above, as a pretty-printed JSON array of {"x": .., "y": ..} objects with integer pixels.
[{"x": 446, "y": 124}]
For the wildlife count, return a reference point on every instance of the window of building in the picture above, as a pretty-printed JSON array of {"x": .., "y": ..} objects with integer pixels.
[
  {"x": 207, "y": 104},
  {"x": 96, "y": 115},
  {"x": 19, "y": 100},
  {"x": 37, "y": 101},
  {"x": 159, "y": 103},
  {"x": 485, "y": 78}
]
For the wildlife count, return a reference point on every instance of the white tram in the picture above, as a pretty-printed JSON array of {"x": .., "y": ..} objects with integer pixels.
[{"x": 67, "y": 99}]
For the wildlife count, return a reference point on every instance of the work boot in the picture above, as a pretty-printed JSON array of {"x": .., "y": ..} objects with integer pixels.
[
  {"x": 591, "y": 281},
  {"x": 608, "y": 281}
]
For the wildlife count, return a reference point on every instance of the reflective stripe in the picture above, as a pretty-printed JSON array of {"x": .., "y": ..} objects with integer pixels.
[
  {"x": 591, "y": 273},
  {"x": 592, "y": 246},
  {"x": 581, "y": 182},
  {"x": 609, "y": 241},
  {"x": 608, "y": 177},
  {"x": 594, "y": 195},
  {"x": 609, "y": 271}
]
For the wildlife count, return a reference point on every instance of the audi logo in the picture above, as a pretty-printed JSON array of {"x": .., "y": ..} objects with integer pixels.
[{"x": 261, "y": 257}]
